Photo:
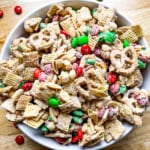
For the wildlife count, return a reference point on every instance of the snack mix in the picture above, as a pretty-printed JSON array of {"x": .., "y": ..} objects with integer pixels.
[{"x": 75, "y": 75}]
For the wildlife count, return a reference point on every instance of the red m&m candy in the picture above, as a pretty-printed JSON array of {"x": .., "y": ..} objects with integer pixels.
[
  {"x": 37, "y": 73},
  {"x": 85, "y": 49},
  {"x": 19, "y": 139},
  {"x": 27, "y": 86},
  {"x": 112, "y": 77},
  {"x": 1, "y": 13},
  {"x": 18, "y": 10}
]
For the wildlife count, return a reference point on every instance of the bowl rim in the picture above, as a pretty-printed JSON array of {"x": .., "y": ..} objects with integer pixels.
[{"x": 21, "y": 126}]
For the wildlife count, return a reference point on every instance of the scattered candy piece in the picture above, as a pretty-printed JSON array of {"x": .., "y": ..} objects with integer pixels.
[
  {"x": 21, "y": 84},
  {"x": 101, "y": 112},
  {"x": 53, "y": 102},
  {"x": 64, "y": 33},
  {"x": 93, "y": 11},
  {"x": 78, "y": 55},
  {"x": 77, "y": 120},
  {"x": 27, "y": 86},
  {"x": 85, "y": 49},
  {"x": 42, "y": 77},
  {"x": 88, "y": 30},
  {"x": 79, "y": 71},
  {"x": 2, "y": 85},
  {"x": 125, "y": 43},
  {"x": 145, "y": 59},
  {"x": 142, "y": 100},
  {"x": 82, "y": 40},
  {"x": 141, "y": 64},
  {"x": 111, "y": 112},
  {"x": 77, "y": 113},
  {"x": 44, "y": 129},
  {"x": 36, "y": 73},
  {"x": 74, "y": 42},
  {"x": 114, "y": 88},
  {"x": 90, "y": 61},
  {"x": 19, "y": 48},
  {"x": 110, "y": 37},
  {"x": 75, "y": 139},
  {"x": 19, "y": 139},
  {"x": 49, "y": 118},
  {"x": 94, "y": 30},
  {"x": 55, "y": 18},
  {"x": 42, "y": 25},
  {"x": 122, "y": 89},
  {"x": 1, "y": 14},
  {"x": 59, "y": 140},
  {"x": 18, "y": 10},
  {"x": 48, "y": 69},
  {"x": 112, "y": 77},
  {"x": 80, "y": 134},
  {"x": 75, "y": 66},
  {"x": 97, "y": 52}
]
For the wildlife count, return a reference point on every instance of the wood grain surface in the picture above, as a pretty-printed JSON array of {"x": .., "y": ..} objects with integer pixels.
[{"x": 136, "y": 10}]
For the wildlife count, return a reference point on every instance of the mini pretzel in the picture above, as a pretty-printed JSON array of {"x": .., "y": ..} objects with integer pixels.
[
  {"x": 124, "y": 61},
  {"x": 42, "y": 40}
]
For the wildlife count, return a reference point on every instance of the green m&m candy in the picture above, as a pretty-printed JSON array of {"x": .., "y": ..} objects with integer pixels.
[
  {"x": 44, "y": 128},
  {"x": 53, "y": 102},
  {"x": 19, "y": 48},
  {"x": 122, "y": 89},
  {"x": 93, "y": 11},
  {"x": 88, "y": 30},
  {"x": 77, "y": 113},
  {"x": 2, "y": 85},
  {"x": 21, "y": 84},
  {"x": 77, "y": 120},
  {"x": 110, "y": 37},
  {"x": 90, "y": 61},
  {"x": 141, "y": 64},
  {"x": 42, "y": 25},
  {"x": 74, "y": 42},
  {"x": 102, "y": 37},
  {"x": 82, "y": 40},
  {"x": 125, "y": 43}
]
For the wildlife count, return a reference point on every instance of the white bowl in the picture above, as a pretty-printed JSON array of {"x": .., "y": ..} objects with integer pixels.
[{"x": 18, "y": 31}]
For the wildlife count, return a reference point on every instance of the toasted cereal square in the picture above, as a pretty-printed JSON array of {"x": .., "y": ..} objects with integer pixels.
[
  {"x": 83, "y": 14},
  {"x": 31, "y": 59},
  {"x": 32, "y": 123},
  {"x": 23, "y": 101},
  {"x": 64, "y": 122},
  {"x": 28, "y": 74},
  {"x": 31, "y": 110},
  {"x": 9, "y": 105},
  {"x": 114, "y": 128},
  {"x": 12, "y": 79}
]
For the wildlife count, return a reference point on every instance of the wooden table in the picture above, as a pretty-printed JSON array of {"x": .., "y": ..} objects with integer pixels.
[{"x": 137, "y": 10}]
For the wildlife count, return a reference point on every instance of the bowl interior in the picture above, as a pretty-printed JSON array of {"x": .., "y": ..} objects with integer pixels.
[{"x": 18, "y": 31}]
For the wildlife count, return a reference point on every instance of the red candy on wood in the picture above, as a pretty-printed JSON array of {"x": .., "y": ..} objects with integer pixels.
[
  {"x": 18, "y": 10},
  {"x": 1, "y": 13},
  {"x": 19, "y": 139}
]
